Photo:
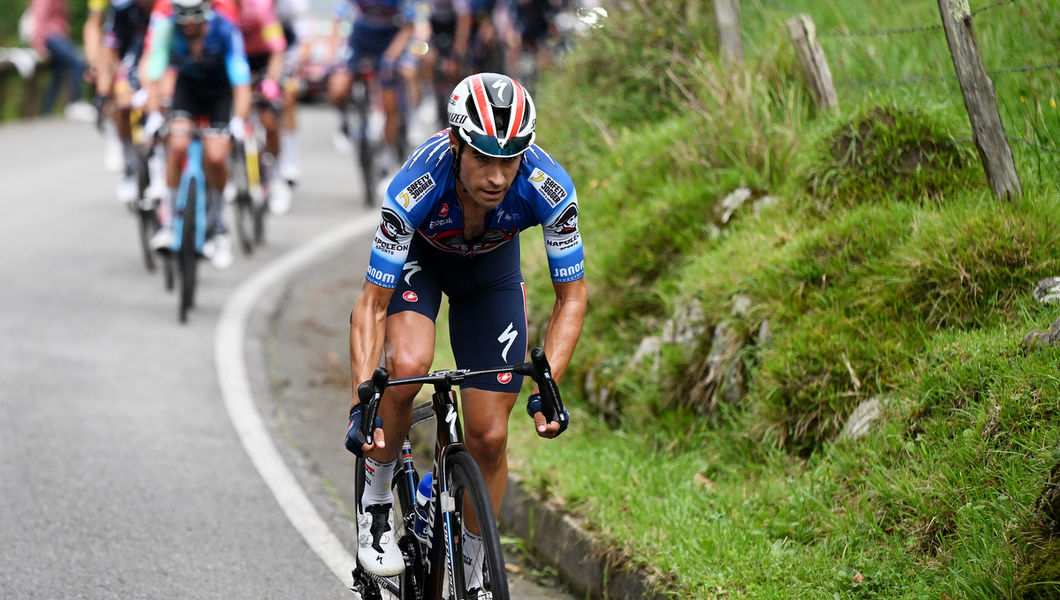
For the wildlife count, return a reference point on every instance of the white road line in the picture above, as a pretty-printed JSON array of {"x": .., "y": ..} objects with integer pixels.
[{"x": 239, "y": 399}]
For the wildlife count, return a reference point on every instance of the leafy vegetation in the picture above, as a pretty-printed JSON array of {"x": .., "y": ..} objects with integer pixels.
[{"x": 882, "y": 268}]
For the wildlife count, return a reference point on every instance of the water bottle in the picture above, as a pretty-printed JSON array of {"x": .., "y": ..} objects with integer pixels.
[{"x": 423, "y": 496}]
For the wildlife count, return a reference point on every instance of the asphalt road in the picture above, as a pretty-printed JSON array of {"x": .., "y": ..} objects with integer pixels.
[{"x": 142, "y": 458}]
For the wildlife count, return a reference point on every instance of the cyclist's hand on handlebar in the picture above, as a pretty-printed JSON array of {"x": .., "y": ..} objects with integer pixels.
[
  {"x": 353, "y": 441},
  {"x": 153, "y": 124},
  {"x": 545, "y": 428},
  {"x": 237, "y": 127}
]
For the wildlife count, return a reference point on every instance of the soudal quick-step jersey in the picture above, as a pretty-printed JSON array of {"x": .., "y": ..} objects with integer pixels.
[{"x": 422, "y": 199}]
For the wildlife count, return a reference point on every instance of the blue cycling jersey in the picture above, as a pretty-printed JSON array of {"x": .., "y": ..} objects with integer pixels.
[
  {"x": 422, "y": 199},
  {"x": 223, "y": 56},
  {"x": 377, "y": 15}
]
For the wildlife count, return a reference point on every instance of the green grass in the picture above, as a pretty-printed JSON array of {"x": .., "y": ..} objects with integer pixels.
[{"x": 884, "y": 269}]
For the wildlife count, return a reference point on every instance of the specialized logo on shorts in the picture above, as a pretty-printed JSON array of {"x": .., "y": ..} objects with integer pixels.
[
  {"x": 504, "y": 378},
  {"x": 410, "y": 296},
  {"x": 416, "y": 191},
  {"x": 509, "y": 335},
  {"x": 413, "y": 267},
  {"x": 549, "y": 188}
]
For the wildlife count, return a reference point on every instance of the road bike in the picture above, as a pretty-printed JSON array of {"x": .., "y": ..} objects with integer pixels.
[
  {"x": 434, "y": 565},
  {"x": 250, "y": 200},
  {"x": 363, "y": 123},
  {"x": 189, "y": 224},
  {"x": 145, "y": 209}
]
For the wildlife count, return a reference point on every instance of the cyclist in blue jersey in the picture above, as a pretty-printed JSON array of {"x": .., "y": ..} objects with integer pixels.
[
  {"x": 379, "y": 39},
  {"x": 116, "y": 66},
  {"x": 450, "y": 224},
  {"x": 213, "y": 81}
]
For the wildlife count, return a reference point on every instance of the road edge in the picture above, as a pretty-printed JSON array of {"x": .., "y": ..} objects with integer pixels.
[{"x": 230, "y": 347}]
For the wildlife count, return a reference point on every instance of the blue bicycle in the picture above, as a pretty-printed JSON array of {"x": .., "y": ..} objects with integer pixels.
[{"x": 189, "y": 224}]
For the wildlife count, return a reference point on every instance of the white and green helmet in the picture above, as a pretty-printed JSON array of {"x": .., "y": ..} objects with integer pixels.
[{"x": 493, "y": 113}]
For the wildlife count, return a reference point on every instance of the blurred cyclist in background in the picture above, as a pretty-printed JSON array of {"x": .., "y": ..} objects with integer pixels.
[
  {"x": 116, "y": 64},
  {"x": 212, "y": 82},
  {"x": 379, "y": 37},
  {"x": 293, "y": 17},
  {"x": 447, "y": 60},
  {"x": 266, "y": 45}
]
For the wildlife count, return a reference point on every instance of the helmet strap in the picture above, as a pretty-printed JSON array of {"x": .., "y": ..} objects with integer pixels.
[{"x": 460, "y": 143}]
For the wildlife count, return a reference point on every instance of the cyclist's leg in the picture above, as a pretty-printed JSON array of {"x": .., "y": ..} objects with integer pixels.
[
  {"x": 289, "y": 169},
  {"x": 410, "y": 338},
  {"x": 488, "y": 328},
  {"x": 122, "y": 92},
  {"x": 409, "y": 350}
]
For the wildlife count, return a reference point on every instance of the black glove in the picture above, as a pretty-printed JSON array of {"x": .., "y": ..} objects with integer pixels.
[
  {"x": 534, "y": 406},
  {"x": 354, "y": 442}
]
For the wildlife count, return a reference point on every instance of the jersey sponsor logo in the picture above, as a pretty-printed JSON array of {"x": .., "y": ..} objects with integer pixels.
[
  {"x": 389, "y": 248},
  {"x": 567, "y": 222},
  {"x": 549, "y": 188},
  {"x": 381, "y": 277},
  {"x": 416, "y": 191},
  {"x": 565, "y": 243},
  {"x": 444, "y": 210},
  {"x": 504, "y": 378},
  {"x": 392, "y": 226},
  {"x": 410, "y": 296},
  {"x": 568, "y": 273}
]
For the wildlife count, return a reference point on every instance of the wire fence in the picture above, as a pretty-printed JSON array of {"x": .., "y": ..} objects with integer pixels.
[{"x": 855, "y": 36}]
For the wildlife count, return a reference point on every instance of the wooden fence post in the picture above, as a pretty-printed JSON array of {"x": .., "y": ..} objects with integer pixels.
[
  {"x": 814, "y": 64},
  {"x": 980, "y": 100},
  {"x": 727, "y": 14}
]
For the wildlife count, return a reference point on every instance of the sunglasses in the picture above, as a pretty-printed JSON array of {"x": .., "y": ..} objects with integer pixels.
[{"x": 488, "y": 144}]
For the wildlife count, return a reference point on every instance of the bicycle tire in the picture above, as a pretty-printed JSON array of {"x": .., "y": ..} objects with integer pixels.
[
  {"x": 147, "y": 223},
  {"x": 362, "y": 109},
  {"x": 242, "y": 201},
  {"x": 169, "y": 271},
  {"x": 188, "y": 257},
  {"x": 243, "y": 229},
  {"x": 258, "y": 213},
  {"x": 463, "y": 475}
]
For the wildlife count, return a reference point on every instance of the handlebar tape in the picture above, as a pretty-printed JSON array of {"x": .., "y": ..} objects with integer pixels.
[
  {"x": 552, "y": 404},
  {"x": 370, "y": 393}
]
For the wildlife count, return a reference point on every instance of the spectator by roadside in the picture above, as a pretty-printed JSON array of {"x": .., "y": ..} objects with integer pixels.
[{"x": 50, "y": 37}]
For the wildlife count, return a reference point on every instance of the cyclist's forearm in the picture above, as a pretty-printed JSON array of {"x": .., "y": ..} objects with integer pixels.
[
  {"x": 399, "y": 43},
  {"x": 241, "y": 101},
  {"x": 565, "y": 325},
  {"x": 154, "y": 95},
  {"x": 92, "y": 37},
  {"x": 367, "y": 333},
  {"x": 274, "y": 70},
  {"x": 463, "y": 34}
]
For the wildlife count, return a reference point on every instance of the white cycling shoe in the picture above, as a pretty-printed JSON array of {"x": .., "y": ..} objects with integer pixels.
[
  {"x": 377, "y": 549},
  {"x": 218, "y": 249},
  {"x": 279, "y": 197},
  {"x": 128, "y": 190},
  {"x": 162, "y": 240}
]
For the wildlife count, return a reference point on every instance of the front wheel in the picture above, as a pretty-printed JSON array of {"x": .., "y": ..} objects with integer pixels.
[
  {"x": 188, "y": 256},
  {"x": 466, "y": 485}
]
